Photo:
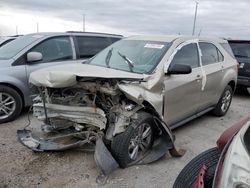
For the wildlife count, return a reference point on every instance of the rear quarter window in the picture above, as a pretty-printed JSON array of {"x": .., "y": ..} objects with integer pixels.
[
  {"x": 228, "y": 49},
  {"x": 88, "y": 46}
]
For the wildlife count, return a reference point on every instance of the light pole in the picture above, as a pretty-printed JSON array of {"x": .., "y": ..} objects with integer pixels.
[
  {"x": 16, "y": 30},
  {"x": 83, "y": 22},
  {"x": 37, "y": 27},
  {"x": 195, "y": 15}
]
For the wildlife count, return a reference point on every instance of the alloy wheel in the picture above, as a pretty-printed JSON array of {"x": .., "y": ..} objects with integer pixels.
[
  {"x": 226, "y": 100},
  {"x": 7, "y": 105},
  {"x": 141, "y": 141}
]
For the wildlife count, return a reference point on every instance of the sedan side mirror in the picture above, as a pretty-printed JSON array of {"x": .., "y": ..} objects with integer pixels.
[
  {"x": 34, "y": 56},
  {"x": 179, "y": 69}
]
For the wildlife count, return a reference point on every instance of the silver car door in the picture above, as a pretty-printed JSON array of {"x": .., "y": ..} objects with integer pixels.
[{"x": 182, "y": 92}]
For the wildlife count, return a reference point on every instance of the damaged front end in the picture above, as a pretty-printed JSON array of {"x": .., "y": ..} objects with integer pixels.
[{"x": 90, "y": 114}]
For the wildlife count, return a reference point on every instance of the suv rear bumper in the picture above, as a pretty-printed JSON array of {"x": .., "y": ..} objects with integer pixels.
[{"x": 243, "y": 81}]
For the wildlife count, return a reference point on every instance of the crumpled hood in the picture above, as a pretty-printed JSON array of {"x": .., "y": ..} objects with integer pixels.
[{"x": 65, "y": 75}]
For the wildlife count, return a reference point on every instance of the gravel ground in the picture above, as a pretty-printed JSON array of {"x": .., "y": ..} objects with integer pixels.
[{"x": 20, "y": 167}]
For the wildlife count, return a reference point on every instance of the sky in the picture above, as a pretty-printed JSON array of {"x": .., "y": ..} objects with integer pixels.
[{"x": 219, "y": 18}]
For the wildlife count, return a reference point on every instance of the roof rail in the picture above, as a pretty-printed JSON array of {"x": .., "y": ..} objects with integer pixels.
[
  {"x": 15, "y": 35},
  {"x": 94, "y": 33}
]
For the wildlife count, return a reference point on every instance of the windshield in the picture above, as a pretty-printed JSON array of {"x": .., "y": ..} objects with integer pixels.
[
  {"x": 131, "y": 55},
  {"x": 241, "y": 49},
  {"x": 12, "y": 48}
]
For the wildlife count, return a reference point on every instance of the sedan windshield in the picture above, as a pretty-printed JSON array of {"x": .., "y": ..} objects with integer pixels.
[
  {"x": 132, "y": 55},
  {"x": 14, "y": 47}
]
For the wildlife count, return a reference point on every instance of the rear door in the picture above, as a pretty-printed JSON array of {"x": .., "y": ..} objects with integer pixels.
[
  {"x": 212, "y": 60},
  {"x": 183, "y": 91}
]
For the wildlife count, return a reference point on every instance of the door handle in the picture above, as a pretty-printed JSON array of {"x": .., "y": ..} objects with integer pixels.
[
  {"x": 222, "y": 68},
  {"x": 198, "y": 78}
]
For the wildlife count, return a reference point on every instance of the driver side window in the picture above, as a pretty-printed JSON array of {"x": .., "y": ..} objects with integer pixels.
[
  {"x": 187, "y": 55},
  {"x": 55, "y": 49}
]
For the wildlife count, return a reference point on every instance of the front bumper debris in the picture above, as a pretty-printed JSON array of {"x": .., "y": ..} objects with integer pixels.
[
  {"x": 105, "y": 162},
  {"x": 50, "y": 144},
  {"x": 103, "y": 158}
]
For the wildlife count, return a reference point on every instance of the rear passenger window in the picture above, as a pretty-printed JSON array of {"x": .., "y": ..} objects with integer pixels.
[
  {"x": 227, "y": 47},
  {"x": 210, "y": 53},
  {"x": 89, "y": 46},
  {"x": 187, "y": 55}
]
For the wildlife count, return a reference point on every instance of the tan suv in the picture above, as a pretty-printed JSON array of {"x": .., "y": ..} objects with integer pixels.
[{"x": 130, "y": 94}]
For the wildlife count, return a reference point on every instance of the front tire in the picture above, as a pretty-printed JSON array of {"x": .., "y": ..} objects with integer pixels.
[
  {"x": 224, "y": 102},
  {"x": 131, "y": 145},
  {"x": 189, "y": 173},
  {"x": 10, "y": 104}
]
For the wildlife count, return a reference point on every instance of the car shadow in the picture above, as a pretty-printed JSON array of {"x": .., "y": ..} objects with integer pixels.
[{"x": 242, "y": 92}]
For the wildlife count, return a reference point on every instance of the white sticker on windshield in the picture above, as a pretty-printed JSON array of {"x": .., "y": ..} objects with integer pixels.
[{"x": 156, "y": 46}]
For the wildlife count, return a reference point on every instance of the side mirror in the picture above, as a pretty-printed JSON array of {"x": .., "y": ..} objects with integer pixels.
[
  {"x": 179, "y": 69},
  {"x": 34, "y": 56}
]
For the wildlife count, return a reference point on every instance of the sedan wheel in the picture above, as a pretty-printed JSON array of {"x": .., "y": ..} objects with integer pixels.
[
  {"x": 10, "y": 104},
  {"x": 189, "y": 173},
  {"x": 7, "y": 105}
]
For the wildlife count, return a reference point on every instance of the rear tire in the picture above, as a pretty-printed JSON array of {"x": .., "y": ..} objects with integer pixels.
[
  {"x": 224, "y": 102},
  {"x": 187, "y": 176},
  {"x": 10, "y": 104},
  {"x": 124, "y": 145}
]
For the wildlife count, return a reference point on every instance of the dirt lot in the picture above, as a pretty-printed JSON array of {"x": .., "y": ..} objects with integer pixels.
[{"x": 20, "y": 167}]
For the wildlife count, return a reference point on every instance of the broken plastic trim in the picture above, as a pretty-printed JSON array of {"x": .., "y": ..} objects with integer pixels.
[
  {"x": 105, "y": 162},
  {"x": 35, "y": 144}
]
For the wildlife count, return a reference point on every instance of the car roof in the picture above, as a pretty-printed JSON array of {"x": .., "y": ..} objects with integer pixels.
[
  {"x": 3, "y": 39},
  {"x": 171, "y": 38},
  {"x": 76, "y": 33}
]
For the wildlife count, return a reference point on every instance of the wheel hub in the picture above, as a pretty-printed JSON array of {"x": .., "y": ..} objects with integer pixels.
[
  {"x": 140, "y": 142},
  {"x": 7, "y": 105},
  {"x": 226, "y": 101}
]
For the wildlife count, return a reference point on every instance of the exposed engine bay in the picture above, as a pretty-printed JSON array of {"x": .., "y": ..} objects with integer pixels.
[
  {"x": 89, "y": 116},
  {"x": 95, "y": 107}
]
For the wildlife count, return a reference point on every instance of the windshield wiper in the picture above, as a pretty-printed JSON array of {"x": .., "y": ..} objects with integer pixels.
[
  {"x": 108, "y": 56},
  {"x": 127, "y": 60}
]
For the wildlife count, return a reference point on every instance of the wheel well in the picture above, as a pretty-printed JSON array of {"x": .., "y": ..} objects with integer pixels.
[
  {"x": 16, "y": 89},
  {"x": 149, "y": 108},
  {"x": 232, "y": 85}
]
